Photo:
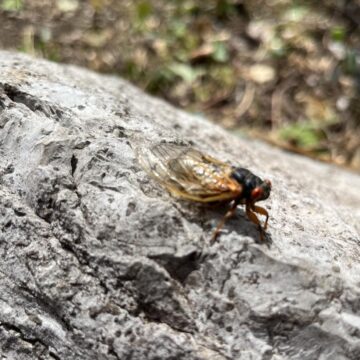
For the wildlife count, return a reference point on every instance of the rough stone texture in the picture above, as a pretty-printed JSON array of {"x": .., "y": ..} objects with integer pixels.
[{"x": 99, "y": 262}]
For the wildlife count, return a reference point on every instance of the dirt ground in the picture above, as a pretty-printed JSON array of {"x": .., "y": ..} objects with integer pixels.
[{"x": 282, "y": 70}]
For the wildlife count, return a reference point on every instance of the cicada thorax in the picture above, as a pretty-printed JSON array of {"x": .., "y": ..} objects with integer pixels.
[{"x": 254, "y": 188}]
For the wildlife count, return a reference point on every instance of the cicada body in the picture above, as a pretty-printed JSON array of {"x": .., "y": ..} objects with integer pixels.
[{"x": 189, "y": 174}]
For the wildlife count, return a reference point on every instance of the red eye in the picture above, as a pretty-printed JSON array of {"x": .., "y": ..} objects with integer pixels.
[{"x": 257, "y": 193}]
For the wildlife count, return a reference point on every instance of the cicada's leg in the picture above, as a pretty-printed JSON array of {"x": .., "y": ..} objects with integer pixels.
[
  {"x": 227, "y": 216},
  {"x": 253, "y": 218},
  {"x": 262, "y": 211}
]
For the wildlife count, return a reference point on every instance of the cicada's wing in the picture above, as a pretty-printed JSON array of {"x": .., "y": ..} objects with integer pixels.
[{"x": 189, "y": 174}]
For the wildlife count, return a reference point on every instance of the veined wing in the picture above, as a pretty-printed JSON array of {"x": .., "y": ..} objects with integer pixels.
[{"x": 189, "y": 174}]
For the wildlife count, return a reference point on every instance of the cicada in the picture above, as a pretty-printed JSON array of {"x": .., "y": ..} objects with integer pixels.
[{"x": 191, "y": 175}]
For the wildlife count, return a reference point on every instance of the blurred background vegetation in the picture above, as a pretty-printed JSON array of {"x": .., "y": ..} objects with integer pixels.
[{"x": 285, "y": 71}]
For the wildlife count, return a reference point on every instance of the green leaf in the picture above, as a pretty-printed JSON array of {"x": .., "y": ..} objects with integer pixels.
[
  {"x": 306, "y": 135},
  {"x": 296, "y": 13},
  {"x": 143, "y": 10},
  {"x": 338, "y": 33},
  {"x": 178, "y": 28},
  {"x": 186, "y": 72},
  {"x": 351, "y": 66},
  {"x": 277, "y": 47},
  {"x": 224, "y": 8},
  {"x": 220, "y": 52},
  {"x": 12, "y": 5}
]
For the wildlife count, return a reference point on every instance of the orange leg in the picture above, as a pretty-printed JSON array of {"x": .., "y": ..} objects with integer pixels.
[
  {"x": 261, "y": 211},
  {"x": 227, "y": 216},
  {"x": 253, "y": 218}
]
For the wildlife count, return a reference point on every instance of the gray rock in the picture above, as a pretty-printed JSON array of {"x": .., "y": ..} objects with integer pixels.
[{"x": 99, "y": 262}]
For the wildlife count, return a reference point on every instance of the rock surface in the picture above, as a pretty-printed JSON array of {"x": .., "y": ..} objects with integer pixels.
[{"x": 99, "y": 262}]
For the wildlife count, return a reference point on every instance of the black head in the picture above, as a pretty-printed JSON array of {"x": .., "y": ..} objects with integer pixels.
[{"x": 255, "y": 189}]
